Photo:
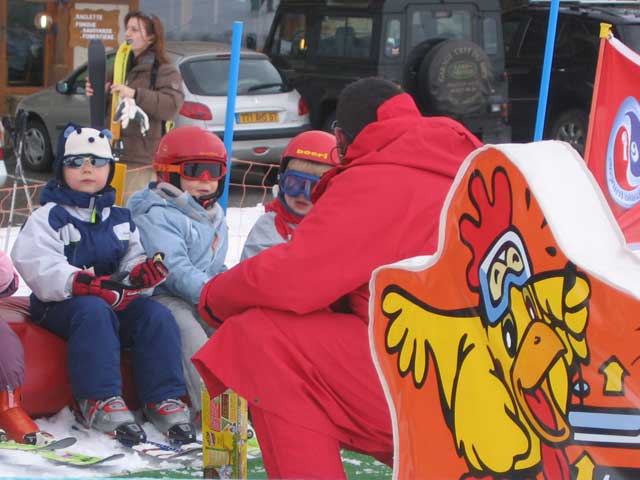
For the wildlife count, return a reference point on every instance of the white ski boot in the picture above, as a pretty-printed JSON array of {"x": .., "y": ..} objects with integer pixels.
[
  {"x": 113, "y": 417},
  {"x": 172, "y": 418}
]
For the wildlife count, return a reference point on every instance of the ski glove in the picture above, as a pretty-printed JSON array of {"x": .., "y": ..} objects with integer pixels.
[
  {"x": 127, "y": 110},
  {"x": 108, "y": 287},
  {"x": 150, "y": 273}
]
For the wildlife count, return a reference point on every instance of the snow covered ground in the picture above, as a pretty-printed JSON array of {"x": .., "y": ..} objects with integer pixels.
[{"x": 29, "y": 465}]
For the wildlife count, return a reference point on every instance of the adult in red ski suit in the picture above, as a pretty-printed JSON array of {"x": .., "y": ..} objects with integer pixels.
[{"x": 305, "y": 369}]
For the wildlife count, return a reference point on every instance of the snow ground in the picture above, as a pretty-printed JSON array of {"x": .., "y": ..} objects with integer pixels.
[{"x": 29, "y": 465}]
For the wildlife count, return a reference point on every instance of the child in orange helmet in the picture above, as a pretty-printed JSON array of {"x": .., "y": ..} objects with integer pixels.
[{"x": 307, "y": 157}]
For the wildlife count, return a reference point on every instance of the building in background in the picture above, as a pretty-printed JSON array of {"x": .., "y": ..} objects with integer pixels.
[{"x": 41, "y": 41}]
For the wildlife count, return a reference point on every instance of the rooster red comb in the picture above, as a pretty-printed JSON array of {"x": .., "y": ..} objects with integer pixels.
[{"x": 494, "y": 217}]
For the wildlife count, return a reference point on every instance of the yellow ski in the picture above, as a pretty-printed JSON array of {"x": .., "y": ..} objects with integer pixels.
[{"x": 120, "y": 68}]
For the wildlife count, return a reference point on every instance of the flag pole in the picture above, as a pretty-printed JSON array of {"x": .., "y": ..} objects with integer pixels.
[
  {"x": 605, "y": 33},
  {"x": 234, "y": 67},
  {"x": 546, "y": 70}
]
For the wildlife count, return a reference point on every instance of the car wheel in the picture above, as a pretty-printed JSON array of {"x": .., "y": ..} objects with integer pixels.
[
  {"x": 455, "y": 78},
  {"x": 571, "y": 127},
  {"x": 37, "y": 155}
]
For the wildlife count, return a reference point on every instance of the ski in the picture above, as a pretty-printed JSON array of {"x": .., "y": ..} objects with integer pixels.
[
  {"x": 51, "y": 452},
  {"x": 72, "y": 459},
  {"x": 97, "y": 66},
  {"x": 25, "y": 447},
  {"x": 120, "y": 68},
  {"x": 153, "y": 449},
  {"x": 164, "y": 451}
]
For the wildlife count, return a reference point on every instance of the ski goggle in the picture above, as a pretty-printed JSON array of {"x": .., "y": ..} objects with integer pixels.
[
  {"x": 505, "y": 266},
  {"x": 76, "y": 161},
  {"x": 195, "y": 170},
  {"x": 294, "y": 183}
]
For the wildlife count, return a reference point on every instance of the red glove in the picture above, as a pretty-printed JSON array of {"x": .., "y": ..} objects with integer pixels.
[
  {"x": 150, "y": 273},
  {"x": 107, "y": 287}
]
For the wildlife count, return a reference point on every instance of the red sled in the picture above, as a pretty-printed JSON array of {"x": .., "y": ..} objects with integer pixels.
[{"x": 46, "y": 388}]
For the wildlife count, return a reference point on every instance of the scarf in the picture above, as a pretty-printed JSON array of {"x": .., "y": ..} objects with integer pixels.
[{"x": 285, "y": 220}]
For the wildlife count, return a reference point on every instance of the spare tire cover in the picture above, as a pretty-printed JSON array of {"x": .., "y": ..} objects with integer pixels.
[{"x": 455, "y": 78}]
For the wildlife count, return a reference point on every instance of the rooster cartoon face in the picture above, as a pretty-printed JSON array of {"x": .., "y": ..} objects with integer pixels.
[{"x": 504, "y": 365}]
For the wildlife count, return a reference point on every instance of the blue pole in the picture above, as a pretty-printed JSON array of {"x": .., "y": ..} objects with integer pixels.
[
  {"x": 546, "y": 70},
  {"x": 234, "y": 67}
]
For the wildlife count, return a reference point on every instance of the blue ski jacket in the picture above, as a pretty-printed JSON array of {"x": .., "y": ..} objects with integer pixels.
[
  {"x": 74, "y": 231},
  {"x": 195, "y": 240}
]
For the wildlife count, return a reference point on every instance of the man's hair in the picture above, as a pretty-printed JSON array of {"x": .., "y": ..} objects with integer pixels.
[{"x": 359, "y": 101}]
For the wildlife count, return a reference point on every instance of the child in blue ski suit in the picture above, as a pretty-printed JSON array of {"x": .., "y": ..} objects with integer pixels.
[
  {"x": 179, "y": 215},
  {"x": 83, "y": 259}
]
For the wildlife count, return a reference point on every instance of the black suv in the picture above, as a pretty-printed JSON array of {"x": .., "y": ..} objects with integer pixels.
[
  {"x": 574, "y": 63},
  {"x": 449, "y": 56}
]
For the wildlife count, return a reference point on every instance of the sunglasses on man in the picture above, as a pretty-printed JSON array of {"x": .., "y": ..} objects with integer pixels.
[
  {"x": 196, "y": 170},
  {"x": 77, "y": 161}
]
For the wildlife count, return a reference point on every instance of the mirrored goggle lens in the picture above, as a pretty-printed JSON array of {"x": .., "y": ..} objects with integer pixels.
[
  {"x": 294, "y": 185},
  {"x": 76, "y": 161},
  {"x": 203, "y": 170}
]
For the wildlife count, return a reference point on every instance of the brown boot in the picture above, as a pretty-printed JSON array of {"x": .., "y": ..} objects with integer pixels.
[{"x": 16, "y": 422}]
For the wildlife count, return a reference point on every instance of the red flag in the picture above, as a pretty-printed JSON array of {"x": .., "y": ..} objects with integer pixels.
[{"x": 613, "y": 143}]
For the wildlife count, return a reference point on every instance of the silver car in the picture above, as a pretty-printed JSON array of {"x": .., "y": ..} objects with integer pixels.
[{"x": 268, "y": 111}]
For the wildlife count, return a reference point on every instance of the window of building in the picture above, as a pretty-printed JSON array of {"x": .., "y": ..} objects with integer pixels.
[
  {"x": 25, "y": 45},
  {"x": 345, "y": 37}
]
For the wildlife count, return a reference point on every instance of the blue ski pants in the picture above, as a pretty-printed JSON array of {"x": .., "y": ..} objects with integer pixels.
[{"x": 95, "y": 333}]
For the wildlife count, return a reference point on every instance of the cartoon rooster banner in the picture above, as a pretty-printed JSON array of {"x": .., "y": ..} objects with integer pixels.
[{"x": 512, "y": 352}]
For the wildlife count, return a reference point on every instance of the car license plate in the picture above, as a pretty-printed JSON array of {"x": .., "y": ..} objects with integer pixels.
[{"x": 257, "y": 117}]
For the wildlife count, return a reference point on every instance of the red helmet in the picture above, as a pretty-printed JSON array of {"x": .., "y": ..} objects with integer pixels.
[
  {"x": 187, "y": 143},
  {"x": 314, "y": 146}
]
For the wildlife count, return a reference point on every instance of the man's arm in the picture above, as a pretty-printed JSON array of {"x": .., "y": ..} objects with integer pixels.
[{"x": 350, "y": 231}]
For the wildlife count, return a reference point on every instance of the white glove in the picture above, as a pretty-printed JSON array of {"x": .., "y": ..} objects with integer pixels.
[{"x": 128, "y": 110}]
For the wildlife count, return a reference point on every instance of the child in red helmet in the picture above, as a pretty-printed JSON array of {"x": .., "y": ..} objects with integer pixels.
[
  {"x": 307, "y": 157},
  {"x": 179, "y": 215}
]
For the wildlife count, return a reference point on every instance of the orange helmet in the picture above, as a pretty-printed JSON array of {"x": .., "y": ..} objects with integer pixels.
[{"x": 314, "y": 146}]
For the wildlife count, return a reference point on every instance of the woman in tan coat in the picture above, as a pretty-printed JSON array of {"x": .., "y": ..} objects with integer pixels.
[{"x": 153, "y": 82}]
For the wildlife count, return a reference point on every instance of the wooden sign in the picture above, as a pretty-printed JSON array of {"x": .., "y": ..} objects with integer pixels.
[
  {"x": 86, "y": 25},
  {"x": 513, "y": 351}
]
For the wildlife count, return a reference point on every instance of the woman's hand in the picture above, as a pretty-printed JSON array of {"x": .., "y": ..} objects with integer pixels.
[
  {"x": 88, "y": 89},
  {"x": 123, "y": 91}
]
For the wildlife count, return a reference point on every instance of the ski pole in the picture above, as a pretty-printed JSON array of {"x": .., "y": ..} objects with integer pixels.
[{"x": 234, "y": 67}]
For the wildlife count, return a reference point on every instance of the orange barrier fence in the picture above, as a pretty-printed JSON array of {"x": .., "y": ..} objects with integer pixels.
[{"x": 251, "y": 184}]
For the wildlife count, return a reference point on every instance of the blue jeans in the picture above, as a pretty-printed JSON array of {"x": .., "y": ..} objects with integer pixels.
[{"x": 95, "y": 333}]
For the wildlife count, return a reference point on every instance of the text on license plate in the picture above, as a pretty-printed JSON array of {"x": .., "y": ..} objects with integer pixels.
[{"x": 257, "y": 117}]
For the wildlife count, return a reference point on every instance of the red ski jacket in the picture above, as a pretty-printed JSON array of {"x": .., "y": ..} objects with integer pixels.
[{"x": 381, "y": 206}]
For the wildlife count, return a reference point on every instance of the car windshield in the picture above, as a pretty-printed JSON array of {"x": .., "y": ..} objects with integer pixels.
[
  {"x": 210, "y": 77},
  {"x": 632, "y": 36}
]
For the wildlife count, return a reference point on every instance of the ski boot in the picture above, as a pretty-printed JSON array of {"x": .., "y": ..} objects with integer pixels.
[
  {"x": 113, "y": 417},
  {"x": 172, "y": 418},
  {"x": 17, "y": 423}
]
